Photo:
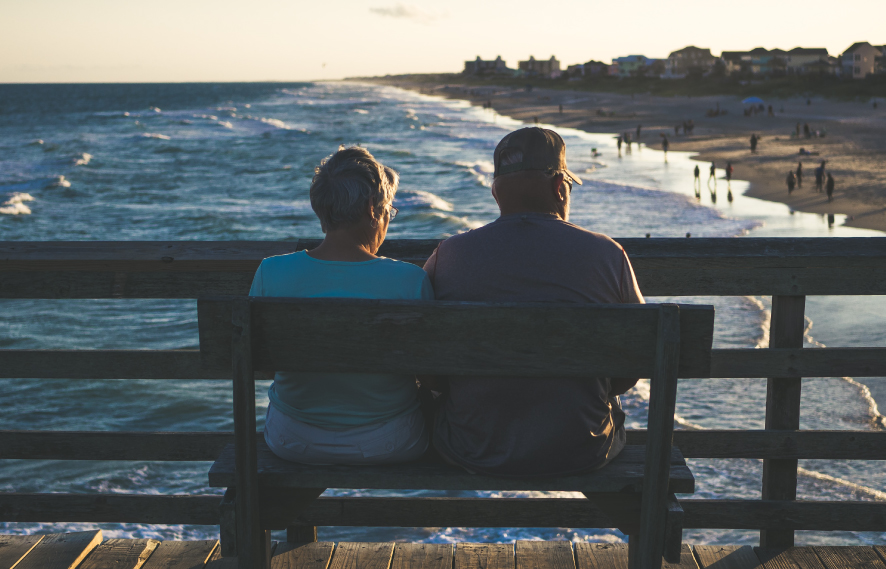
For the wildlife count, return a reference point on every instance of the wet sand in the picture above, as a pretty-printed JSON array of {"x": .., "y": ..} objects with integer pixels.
[{"x": 854, "y": 146}]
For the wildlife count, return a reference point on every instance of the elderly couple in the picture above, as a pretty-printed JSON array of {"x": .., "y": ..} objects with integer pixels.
[{"x": 496, "y": 426}]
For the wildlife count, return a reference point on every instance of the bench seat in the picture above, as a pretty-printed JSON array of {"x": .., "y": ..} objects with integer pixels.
[{"x": 623, "y": 474}]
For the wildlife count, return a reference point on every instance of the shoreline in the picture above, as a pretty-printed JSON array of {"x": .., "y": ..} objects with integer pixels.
[{"x": 854, "y": 146}]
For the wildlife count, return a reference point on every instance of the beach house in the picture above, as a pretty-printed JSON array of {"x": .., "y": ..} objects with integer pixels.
[
  {"x": 690, "y": 60},
  {"x": 548, "y": 68},
  {"x": 806, "y": 60},
  {"x": 486, "y": 67},
  {"x": 860, "y": 60},
  {"x": 590, "y": 69},
  {"x": 736, "y": 62},
  {"x": 631, "y": 65}
]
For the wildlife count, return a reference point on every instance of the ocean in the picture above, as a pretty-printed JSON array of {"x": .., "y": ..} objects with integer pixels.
[{"x": 234, "y": 162}]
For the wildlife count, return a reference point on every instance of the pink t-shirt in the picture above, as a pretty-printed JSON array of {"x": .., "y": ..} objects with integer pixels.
[{"x": 519, "y": 426}]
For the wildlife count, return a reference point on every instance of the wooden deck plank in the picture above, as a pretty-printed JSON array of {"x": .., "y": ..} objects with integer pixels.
[
  {"x": 61, "y": 550},
  {"x": 14, "y": 547},
  {"x": 790, "y": 558},
  {"x": 544, "y": 555},
  {"x": 362, "y": 555},
  {"x": 120, "y": 554},
  {"x": 313, "y": 555},
  {"x": 484, "y": 556},
  {"x": 726, "y": 557},
  {"x": 422, "y": 556},
  {"x": 601, "y": 555},
  {"x": 687, "y": 560},
  {"x": 849, "y": 557},
  {"x": 181, "y": 554},
  {"x": 881, "y": 551}
]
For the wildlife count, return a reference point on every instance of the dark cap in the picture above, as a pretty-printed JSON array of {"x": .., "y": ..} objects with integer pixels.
[{"x": 542, "y": 150}]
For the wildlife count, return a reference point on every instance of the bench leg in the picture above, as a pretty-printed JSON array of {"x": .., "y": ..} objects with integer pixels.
[
  {"x": 301, "y": 534},
  {"x": 673, "y": 539},
  {"x": 227, "y": 527}
]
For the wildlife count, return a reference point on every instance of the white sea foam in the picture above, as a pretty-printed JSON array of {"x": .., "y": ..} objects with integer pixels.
[
  {"x": 207, "y": 117},
  {"x": 275, "y": 123},
  {"x": 59, "y": 182},
  {"x": 83, "y": 159},
  {"x": 15, "y": 205},
  {"x": 156, "y": 109},
  {"x": 481, "y": 169},
  {"x": 225, "y": 124},
  {"x": 230, "y": 109},
  {"x": 154, "y": 135},
  {"x": 408, "y": 199},
  {"x": 361, "y": 111},
  {"x": 38, "y": 142}
]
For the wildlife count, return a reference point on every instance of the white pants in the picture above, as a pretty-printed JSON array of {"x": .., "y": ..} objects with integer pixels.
[{"x": 398, "y": 440}]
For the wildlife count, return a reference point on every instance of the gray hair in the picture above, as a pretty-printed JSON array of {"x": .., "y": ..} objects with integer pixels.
[{"x": 345, "y": 182}]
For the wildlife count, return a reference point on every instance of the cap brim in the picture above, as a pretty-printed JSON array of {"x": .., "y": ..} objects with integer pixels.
[{"x": 574, "y": 178}]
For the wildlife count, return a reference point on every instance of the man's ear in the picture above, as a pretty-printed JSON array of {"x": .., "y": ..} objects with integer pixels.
[{"x": 558, "y": 188}]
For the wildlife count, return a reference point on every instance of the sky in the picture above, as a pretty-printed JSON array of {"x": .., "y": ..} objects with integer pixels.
[{"x": 298, "y": 40}]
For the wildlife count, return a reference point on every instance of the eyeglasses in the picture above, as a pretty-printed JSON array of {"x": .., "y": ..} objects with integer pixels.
[{"x": 393, "y": 213}]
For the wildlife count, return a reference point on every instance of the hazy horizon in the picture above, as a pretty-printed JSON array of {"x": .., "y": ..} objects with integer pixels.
[{"x": 98, "y": 41}]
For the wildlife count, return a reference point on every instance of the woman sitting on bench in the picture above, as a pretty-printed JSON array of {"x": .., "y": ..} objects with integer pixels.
[{"x": 346, "y": 418}]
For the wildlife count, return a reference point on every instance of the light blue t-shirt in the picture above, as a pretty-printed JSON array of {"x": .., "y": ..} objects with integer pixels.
[{"x": 339, "y": 401}]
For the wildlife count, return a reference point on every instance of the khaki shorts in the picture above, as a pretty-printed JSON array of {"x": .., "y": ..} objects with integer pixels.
[{"x": 399, "y": 440}]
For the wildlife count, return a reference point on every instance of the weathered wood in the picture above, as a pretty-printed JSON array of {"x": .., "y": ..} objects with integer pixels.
[
  {"x": 484, "y": 556},
  {"x": 300, "y": 534},
  {"x": 227, "y": 524},
  {"x": 726, "y": 557},
  {"x": 544, "y": 555},
  {"x": 881, "y": 551},
  {"x": 252, "y": 541},
  {"x": 455, "y": 338},
  {"x": 662, "y": 403},
  {"x": 667, "y": 267},
  {"x": 206, "y": 446},
  {"x": 788, "y": 323},
  {"x": 120, "y": 554},
  {"x": 219, "y": 561},
  {"x": 181, "y": 554},
  {"x": 316, "y": 555},
  {"x": 601, "y": 555},
  {"x": 186, "y": 364},
  {"x": 686, "y": 560},
  {"x": 790, "y": 558},
  {"x": 422, "y": 556},
  {"x": 848, "y": 557},
  {"x": 623, "y": 474},
  {"x": 14, "y": 547},
  {"x": 61, "y": 550},
  {"x": 349, "y": 555},
  {"x": 673, "y": 534}
]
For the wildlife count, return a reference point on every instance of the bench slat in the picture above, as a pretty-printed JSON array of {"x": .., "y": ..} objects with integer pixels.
[
  {"x": 623, "y": 474},
  {"x": 455, "y": 338}
]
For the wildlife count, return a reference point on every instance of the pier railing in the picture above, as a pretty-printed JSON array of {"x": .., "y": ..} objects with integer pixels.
[{"x": 788, "y": 270}]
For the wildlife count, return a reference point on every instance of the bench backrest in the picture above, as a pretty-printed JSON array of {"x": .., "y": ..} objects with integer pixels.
[{"x": 454, "y": 338}]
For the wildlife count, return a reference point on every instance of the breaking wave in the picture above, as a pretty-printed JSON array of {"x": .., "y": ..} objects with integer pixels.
[{"x": 15, "y": 205}]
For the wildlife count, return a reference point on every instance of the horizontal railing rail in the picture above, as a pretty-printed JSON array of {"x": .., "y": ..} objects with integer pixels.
[
  {"x": 207, "y": 445},
  {"x": 664, "y": 267}
]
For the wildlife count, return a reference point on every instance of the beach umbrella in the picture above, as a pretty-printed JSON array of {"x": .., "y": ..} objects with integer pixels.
[{"x": 753, "y": 101}]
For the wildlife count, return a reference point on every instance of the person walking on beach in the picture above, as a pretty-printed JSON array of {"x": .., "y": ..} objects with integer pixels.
[
  {"x": 819, "y": 176},
  {"x": 712, "y": 175},
  {"x": 628, "y": 140},
  {"x": 799, "y": 175},
  {"x": 830, "y": 187},
  {"x": 696, "y": 182},
  {"x": 512, "y": 426},
  {"x": 618, "y": 142},
  {"x": 728, "y": 172},
  {"x": 753, "y": 143},
  {"x": 791, "y": 181},
  {"x": 664, "y": 146},
  {"x": 806, "y": 132},
  {"x": 639, "y": 128}
]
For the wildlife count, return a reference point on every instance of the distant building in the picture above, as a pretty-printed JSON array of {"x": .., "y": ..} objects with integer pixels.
[
  {"x": 688, "y": 60},
  {"x": 860, "y": 60},
  {"x": 613, "y": 70},
  {"x": 589, "y": 69},
  {"x": 549, "y": 68},
  {"x": 631, "y": 65},
  {"x": 485, "y": 67},
  {"x": 736, "y": 61},
  {"x": 807, "y": 60}
]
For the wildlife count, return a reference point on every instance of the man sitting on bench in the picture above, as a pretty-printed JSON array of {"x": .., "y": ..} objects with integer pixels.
[{"x": 510, "y": 426}]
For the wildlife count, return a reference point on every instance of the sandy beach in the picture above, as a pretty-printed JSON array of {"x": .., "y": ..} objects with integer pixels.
[{"x": 854, "y": 145}]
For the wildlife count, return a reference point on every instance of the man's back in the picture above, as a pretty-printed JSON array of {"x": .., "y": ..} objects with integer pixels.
[{"x": 518, "y": 426}]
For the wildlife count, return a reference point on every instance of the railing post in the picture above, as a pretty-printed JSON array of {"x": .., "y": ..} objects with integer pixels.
[{"x": 786, "y": 329}]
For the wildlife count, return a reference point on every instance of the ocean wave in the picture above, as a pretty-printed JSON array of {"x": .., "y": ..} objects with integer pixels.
[
  {"x": 225, "y": 124},
  {"x": 207, "y": 117},
  {"x": 155, "y": 109},
  {"x": 481, "y": 169},
  {"x": 15, "y": 205},
  {"x": 154, "y": 135},
  {"x": 420, "y": 199},
  {"x": 38, "y": 142},
  {"x": 58, "y": 182},
  {"x": 277, "y": 123},
  {"x": 83, "y": 159},
  {"x": 361, "y": 111}
]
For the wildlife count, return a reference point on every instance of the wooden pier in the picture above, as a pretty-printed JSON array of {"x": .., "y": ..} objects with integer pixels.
[
  {"x": 786, "y": 269},
  {"x": 87, "y": 550}
]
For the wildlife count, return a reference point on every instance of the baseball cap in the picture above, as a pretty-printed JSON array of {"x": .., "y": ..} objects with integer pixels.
[{"x": 542, "y": 150}]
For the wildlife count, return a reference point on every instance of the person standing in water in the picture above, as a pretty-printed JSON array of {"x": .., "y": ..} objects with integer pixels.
[
  {"x": 712, "y": 175},
  {"x": 664, "y": 146},
  {"x": 791, "y": 181},
  {"x": 696, "y": 182},
  {"x": 618, "y": 142},
  {"x": 799, "y": 174},
  {"x": 728, "y": 172},
  {"x": 830, "y": 187}
]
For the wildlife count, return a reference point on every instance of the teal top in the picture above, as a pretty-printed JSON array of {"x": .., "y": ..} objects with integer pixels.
[{"x": 338, "y": 401}]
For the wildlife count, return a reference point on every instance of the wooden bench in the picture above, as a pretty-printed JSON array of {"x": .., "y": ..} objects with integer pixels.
[{"x": 662, "y": 342}]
